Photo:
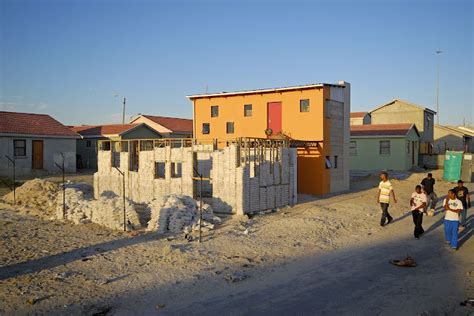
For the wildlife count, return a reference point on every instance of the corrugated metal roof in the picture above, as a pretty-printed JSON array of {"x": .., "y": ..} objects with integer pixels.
[{"x": 268, "y": 90}]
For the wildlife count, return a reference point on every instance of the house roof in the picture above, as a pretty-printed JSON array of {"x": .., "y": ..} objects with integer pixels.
[
  {"x": 382, "y": 130},
  {"x": 174, "y": 124},
  {"x": 406, "y": 102},
  {"x": 100, "y": 130},
  {"x": 16, "y": 123},
  {"x": 454, "y": 129},
  {"x": 268, "y": 90},
  {"x": 358, "y": 114}
]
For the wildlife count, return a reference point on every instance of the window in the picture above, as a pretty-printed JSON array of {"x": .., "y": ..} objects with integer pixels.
[
  {"x": 115, "y": 154},
  {"x": 214, "y": 111},
  {"x": 335, "y": 162},
  {"x": 160, "y": 170},
  {"x": 19, "y": 148},
  {"x": 105, "y": 146},
  {"x": 230, "y": 127},
  {"x": 408, "y": 146},
  {"x": 88, "y": 144},
  {"x": 304, "y": 105},
  {"x": 385, "y": 147},
  {"x": 176, "y": 169},
  {"x": 353, "y": 148},
  {"x": 206, "y": 128},
  {"x": 146, "y": 145},
  {"x": 328, "y": 163},
  {"x": 133, "y": 158},
  {"x": 248, "y": 110}
]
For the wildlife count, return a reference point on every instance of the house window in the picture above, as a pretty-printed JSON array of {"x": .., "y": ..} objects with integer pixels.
[
  {"x": 146, "y": 145},
  {"x": 304, "y": 105},
  {"x": 384, "y": 147},
  {"x": 176, "y": 169},
  {"x": 230, "y": 127},
  {"x": 248, "y": 110},
  {"x": 335, "y": 162},
  {"x": 353, "y": 148},
  {"x": 88, "y": 144},
  {"x": 19, "y": 147},
  {"x": 214, "y": 111},
  {"x": 160, "y": 170},
  {"x": 105, "y": 146},
  {"x": 408, "y": 146},
  {"x": 206, "y": 128}
]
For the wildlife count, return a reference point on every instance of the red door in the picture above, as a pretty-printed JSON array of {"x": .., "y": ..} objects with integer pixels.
[{"x": 274, "y": 117}]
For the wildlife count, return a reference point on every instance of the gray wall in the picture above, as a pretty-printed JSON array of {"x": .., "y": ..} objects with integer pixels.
[
  {"x": 88, "y": 154},
  {"x": 52, "y": 149}
]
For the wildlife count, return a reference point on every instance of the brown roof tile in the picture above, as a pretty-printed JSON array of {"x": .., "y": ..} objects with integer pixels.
[
  {"x": 32, "y": 124},
  {"x": 358, "y": 114},
  {"x": 173, "y": 123},
  {"x": 380, "y": 129},
  {"x": 109, "y": 129}
]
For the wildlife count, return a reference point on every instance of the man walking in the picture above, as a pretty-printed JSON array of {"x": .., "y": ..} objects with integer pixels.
[
  {"x": 462, "y": 193},
  {"x": 428, "y": 185},
  {"x": 383, "y": 197},
  {"x": 418, "y": 204},
  {"x": 453, "y": 207}
]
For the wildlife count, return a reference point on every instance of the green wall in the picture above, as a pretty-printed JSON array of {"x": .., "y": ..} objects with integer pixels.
[{"x": 368, "y": 153}]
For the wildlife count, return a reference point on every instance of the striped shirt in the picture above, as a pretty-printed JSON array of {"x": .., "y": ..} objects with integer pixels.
[{"x": 385, "y": 189}]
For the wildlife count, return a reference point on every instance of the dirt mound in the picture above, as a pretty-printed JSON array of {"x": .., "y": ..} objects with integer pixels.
[{"x": 37, "y": 195}]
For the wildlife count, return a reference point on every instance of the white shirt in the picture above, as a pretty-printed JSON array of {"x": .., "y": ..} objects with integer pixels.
[
  {"x": 385, "y": 189},
  {"x": 418, "y": 200},
  {"x": 455, "y": 205}
]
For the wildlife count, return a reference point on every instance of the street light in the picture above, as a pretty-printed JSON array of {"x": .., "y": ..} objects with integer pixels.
[
  {"x": 438, "y": 52},
  {"x": 123, "y": 111}
]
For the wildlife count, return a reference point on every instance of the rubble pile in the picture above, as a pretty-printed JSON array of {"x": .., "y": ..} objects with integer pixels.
[
  {"x": 178, "y": 213},
  {"x": 37, "y": 195},
  {"x": 107, "y": 210}
]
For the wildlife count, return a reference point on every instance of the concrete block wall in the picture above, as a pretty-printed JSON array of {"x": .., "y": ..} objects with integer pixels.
[{"x": 237, "y": 186}]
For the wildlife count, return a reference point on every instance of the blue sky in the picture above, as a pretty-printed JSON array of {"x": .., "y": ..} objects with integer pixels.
[{"x": 68, "y": 58}]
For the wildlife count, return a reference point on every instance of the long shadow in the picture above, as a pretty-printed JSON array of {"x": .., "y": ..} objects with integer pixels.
[
  {"x": 400, "y": 218},
  {"x": 84, "y": 253},
  {"x": 467, "y": 232}
]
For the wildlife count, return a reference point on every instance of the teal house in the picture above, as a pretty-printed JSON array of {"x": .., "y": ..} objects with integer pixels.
[{"x": 384, "y": 147}]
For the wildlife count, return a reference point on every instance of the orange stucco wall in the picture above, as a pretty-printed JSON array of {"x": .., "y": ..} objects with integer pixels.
[{"x": 313, "y": 177}]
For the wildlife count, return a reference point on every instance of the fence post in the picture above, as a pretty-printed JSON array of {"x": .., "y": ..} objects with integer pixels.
[
  {"x": 14, "y": 179},
  {"x": 61, "y": 167},
  {"x": 123, "y": 193}
]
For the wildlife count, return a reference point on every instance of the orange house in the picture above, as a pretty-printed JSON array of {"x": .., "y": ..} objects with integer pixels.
[{"x": 317, "y": 112}]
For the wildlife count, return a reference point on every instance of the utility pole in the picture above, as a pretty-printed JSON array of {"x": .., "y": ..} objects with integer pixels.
[
  {"x": 438, "y": 52},
  {"x": 123, "y": 114}
]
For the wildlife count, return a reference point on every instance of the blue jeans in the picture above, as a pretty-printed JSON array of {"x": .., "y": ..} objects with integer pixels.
[{"x": 451, "y": 232}]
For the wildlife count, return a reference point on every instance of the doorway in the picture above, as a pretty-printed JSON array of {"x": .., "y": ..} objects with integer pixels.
[
  {"x": 37, "y": 154},
  {"x": 274, "y": 117}
]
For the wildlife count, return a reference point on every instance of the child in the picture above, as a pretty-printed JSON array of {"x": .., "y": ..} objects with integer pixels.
[
  {"x": 453, "y": 207},
  {"x": 418, "y": 203},
  {"x": 383, "y": 197}
]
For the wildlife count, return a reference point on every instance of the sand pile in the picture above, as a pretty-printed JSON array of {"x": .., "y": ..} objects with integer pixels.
[
  {"x": 178, "y": 213},
  {"x": 81, "y": 208},
  {"x": 37, "y": 195}
]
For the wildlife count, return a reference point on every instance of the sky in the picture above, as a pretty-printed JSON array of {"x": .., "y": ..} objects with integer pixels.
[{"x": 69, "y": 58}]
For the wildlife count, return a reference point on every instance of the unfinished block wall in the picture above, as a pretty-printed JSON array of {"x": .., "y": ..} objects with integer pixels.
[{"x": 236, "y": 180}]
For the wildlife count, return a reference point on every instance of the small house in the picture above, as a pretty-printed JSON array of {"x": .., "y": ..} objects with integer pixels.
[
  {"x": 168, "y": 127},
  {"x": 452, "y": 138},
  {"x": 36, "y": 143},
  {"x": 360, "y": 118},
  {"x": 90, "y": 135},
  {"x": 384, "y": 147}
]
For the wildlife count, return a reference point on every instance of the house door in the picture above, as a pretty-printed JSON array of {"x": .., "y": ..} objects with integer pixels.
[
  {"x": 37, "y": 154},
  {"x": 274, "y": 117},
  {"x": 413, "y": 153}
]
